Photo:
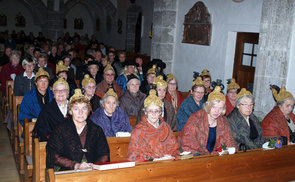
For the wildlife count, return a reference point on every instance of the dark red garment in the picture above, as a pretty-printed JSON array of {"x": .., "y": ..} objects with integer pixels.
[
  {"x": 102, "y": 88},
  {"x": 180, "y": 98},
  {"x": 229, "y": 106},
  {"x": 5, "y": 73}
]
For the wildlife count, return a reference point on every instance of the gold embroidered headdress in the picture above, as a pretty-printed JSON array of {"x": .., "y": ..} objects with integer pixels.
[
  {"x": 152, "y": 99},
  {"x": 282, "y": 95},
  {"x": 61, "y": 80},
  {"x": 151, "y": 70},
  {"x": 198, "y": 81},
  {"x": 205, "y": 72},
  {"x": 242, "y": 93},
  {"x": 160, "y": 82},
  {"x": 110, "y": 92},
  {"x": 41, "y": 72},
  {"x": 233, "y": 85},
  {"x": 77, "y": 96},
  {"x": 87, "y": 80},
  {"x": 216, "y": 95},
  {"x": 108, "y": 67},
  {"x": 170, "y": 77},
  {"x": 60, "y": 67}
]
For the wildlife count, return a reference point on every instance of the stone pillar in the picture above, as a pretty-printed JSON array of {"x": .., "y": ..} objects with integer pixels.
[
  {"x": 276, "y": 27},
  {"x": 131, "y": 19},
  {"x": 164, "y": 28}
]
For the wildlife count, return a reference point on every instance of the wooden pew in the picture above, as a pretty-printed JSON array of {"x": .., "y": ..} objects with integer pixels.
[
  {"x": 255, "y": 165},
  {"x": 16, "y": 101},
  {"x": 39, "y": 160},
  {"x": 27, "y": 157},
  {"x": 185, "y": 94},
  {"x": 8, "y": 95},
  {"x": 132, "y": 121}
]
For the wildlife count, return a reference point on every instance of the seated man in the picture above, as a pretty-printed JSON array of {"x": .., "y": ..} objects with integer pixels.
[
  {"x": 108, "y": 82},
  {"x": 54, "y": 112},
  {"x": 35, "y": 99}
]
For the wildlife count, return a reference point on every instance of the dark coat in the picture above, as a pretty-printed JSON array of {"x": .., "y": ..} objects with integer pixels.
[
  {"x": 65, "y": 143},
  {"x": 49, "y": 117},
  {"x": 23, "y": 84},
  {"x": 95, "y": 102},
  {"x": 241, "y": 131},
  {"x": 132, "y": 104}
]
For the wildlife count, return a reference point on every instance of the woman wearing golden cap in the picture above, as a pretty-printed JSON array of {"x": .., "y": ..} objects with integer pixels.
[
  {"x": 77, "y": 142},
  {"x": 245, "y": 126},
  {"x": 280, "y": 121},
  {"x": 152, "y": 137},
  {"x": 89, "y": 86},
  {"x": 173, "y": 95},
  {"x": 231, "y": 94},
  {"x": 207, "y": 129}
]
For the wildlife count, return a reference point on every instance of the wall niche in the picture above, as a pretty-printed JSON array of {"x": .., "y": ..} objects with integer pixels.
[{"x": 197, "y": 25}]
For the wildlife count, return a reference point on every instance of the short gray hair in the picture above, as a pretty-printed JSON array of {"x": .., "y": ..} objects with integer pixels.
[
  {"x": 27, "y": 61},
  {"x": 15, "y": 53},
  {"x": 238, "y": 102},
  {"x": 102, "y": 101},
  {"x": 61, "y": 84},
  {"x": 128, "y": 83}
]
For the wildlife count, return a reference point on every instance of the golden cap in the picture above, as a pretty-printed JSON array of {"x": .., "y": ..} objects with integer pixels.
[
  {"x": 242, "y": 93},
  {"x": 41, "y": 72},
  {"x": 170, "y": 77},
  {"x": 152, "y": 99},
  {"x": 160, "y": 82},
  {"x": 110, "y": 92},
  {"x": 198, "y": 81},
  {"x": 152, "y": 70},
  {"x": 78, "y": 95},
  {"x": 233, "y": 85},
  {"x": 216, "y": 95},
  {"x": 108, "y": 67},
  {"x": 205, "y": 72},
  {"x": 87, "y": 80},
  {"x": 60, "y": 67},
  {"x": 61, "y": 80},
  {"x": 283, "y": 95}
]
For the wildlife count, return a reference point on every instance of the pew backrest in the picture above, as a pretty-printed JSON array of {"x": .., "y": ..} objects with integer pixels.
[
  {"x": 39, "y": 160},
  {"x": 28, "y": 130},
  {"x": 132, "y": 121},
  {"x": 16, "y": 100}
]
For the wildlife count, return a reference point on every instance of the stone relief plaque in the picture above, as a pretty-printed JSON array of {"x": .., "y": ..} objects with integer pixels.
[{"x": 197, "y": 25}]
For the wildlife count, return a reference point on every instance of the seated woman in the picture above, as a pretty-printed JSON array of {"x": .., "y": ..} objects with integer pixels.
[
  {"x": 54, "y": 112},
  {"x": 230, "y": 98},
  {"x": 77, "y": 142},
  {"x": 173, "y": 95},
  {"x": 280, "y": 121},
  {"x": 152, "y": 137},
  {"x": 148, "y": 83},
  {"x": 206, "y": 77},
  {"x": 130, "y": 69},
  {"x": 35, "y": 99},
  {"x": 25, "y": 82},
  {"x": 207, "y": 129},
  {"x": 89, "y": 86},
  {"x": 245, "y": 126},
  {"x": 191, "y": 104},
  {"x": 110, "y": 117},
  {"x": 132, "y": 100}
]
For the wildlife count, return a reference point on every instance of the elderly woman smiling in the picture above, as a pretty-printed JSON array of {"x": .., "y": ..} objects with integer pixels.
[
  {"x": 110, "y": 117},
  {"x": 89, "y": 86},
  {"x": 280, "y": 121},
  {"x": 207, "y": 129},
  {"x": 245, "y": 126},
  {"x": 152, "y": 137},
  {"x": 77, "y": 142}
]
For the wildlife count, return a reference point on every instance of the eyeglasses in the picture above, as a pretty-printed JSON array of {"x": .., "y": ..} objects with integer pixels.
[
  {"x": 247, "y": 105},
  {"x": 153, "y": 112},
  {"x": 61, "y": 91},
  {"x": 89, "y": 87},
  {"x": 134, "y": 85},
  {"x": 172, "y": 83},
  {"x": 199, "y": 92},
  {"x": 109, "y": 74}
]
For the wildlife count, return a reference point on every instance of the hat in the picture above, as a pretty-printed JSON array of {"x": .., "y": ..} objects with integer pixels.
[
  {"x": 216, "y": 95},
  {"x": 130, "y": 63},
  {"x": 60, "y": 67},
  {"x": 282, "y": 95},
  {"x": 66, "y": 56},
  {"x": 160, "y": 82},
  {"x": 87, "y": 80},
  {"x": 242, "y": 93},
  {"x": 198, "y": 81},
  {"x": 61, "y": 80},
  {"x": 93, "y": 63},
  {"x": 41, "y": 72},
  {"x": 130, "y": 77},
  {"x": 152, "y": 70},
  {"x": 159, "y": 63},
  {"x": 110, "y": 92},
  {"x": 108, "y": 67},
  {"x": 152, "y": 100},
  {"x": 77, "y": 96},
  {"x": 170, "y": 77},
  {"x": 205, "y": 72},
  {"x": 232, "y": 85}
]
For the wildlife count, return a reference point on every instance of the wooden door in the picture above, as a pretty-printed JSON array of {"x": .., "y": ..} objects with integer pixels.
[{"x": 245, "y": 59}]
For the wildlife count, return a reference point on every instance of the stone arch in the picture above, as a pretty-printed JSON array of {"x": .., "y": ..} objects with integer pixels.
[
  {"x": 132, "y": 14},
  {"x": 37, "y": 9}
]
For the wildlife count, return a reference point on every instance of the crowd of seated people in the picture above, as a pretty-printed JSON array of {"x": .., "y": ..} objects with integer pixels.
[{"x": 92, "y": 98}]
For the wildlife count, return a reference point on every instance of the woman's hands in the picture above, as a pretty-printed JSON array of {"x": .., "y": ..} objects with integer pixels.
[{"x": 83, "y": 165}]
